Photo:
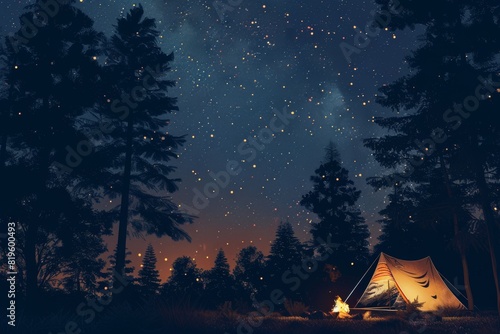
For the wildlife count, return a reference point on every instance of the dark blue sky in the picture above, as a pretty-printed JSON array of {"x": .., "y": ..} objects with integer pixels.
[{"x": 231, "y": 77}]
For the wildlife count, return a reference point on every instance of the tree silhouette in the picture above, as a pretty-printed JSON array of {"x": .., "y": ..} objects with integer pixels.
[
  {"x": 448, "y": 204},
  {"x": 285, "y": 254},
  {"x": 10, "y": 99},
  {"x": 445, "y": 117},
  {"x": 137, "y": 154},
  {"x": 149, "y": 277},
  {"x": 249, "y": 272},
  {"x": 67, "y": 253},
  {"x": 83, "y": 269},
  {"x": 219, "y": 283},
  {"x": 185, "y": 280},
  {"x": 401, "y": 234},
  {"x": 49, "y": 85},
  {"x": 129, "y": 270},
  {"x": 333, "y": 200}
]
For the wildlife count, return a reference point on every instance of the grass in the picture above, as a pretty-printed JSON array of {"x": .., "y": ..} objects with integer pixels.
[
  {"x": 295, "y": 308},
  {"x": 183, "y": 319}
]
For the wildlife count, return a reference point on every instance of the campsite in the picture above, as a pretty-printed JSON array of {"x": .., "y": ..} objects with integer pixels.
[
  {"x": 168, "y": 319},
  {"x": 249, "y": 166},
  {"x": 395, "y": 296}
]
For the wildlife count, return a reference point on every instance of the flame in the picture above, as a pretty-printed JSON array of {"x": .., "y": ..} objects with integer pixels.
[{"x": 340, "y": 306}]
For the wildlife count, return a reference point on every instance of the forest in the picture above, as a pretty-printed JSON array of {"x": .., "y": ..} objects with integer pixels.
[{"x": 84, "y": 119}]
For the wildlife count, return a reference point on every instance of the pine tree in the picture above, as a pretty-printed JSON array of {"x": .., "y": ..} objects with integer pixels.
[
  {"x": 333, "y": 200},
  {"x": 219, "y": 282},
  {"x": 137, "y": 153},
  {"x": 149, "y": 277},
  {"x": 285, "y": 254},
  {"x": 435, "y": 128},
  {"x": 50, "y": 84},
  {"x": 286, "y": 249},
  {"x": 449, "y": 203},
  {"x": 401, "y": 235}
]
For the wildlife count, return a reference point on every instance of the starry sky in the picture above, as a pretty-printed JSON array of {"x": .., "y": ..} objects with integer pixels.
[{"x": 234, "y": 73}]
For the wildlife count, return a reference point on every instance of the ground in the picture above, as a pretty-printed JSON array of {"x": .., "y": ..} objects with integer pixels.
[{"x": 174, "y": 319}]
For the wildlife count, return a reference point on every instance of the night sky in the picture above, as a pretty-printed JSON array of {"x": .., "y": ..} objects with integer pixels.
[{"x": 232, "y": 77}]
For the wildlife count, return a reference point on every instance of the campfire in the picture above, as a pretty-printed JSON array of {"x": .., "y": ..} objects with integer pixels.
[{"x": 341, "y": 309}]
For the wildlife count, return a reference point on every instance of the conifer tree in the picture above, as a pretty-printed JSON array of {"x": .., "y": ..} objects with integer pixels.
[
  {"x": 136, "y": 154},
  {"x": 219, "y": 282},
  {"x": 149, "y": 277},
  {"x": 286, "y": 254},
  {"x": 401, "y": 234},
  {"x": 334, "y": 200},
  {"x": 50, "y": 82},
  {"x": 446, "y": 107},
  {"x": 286, "y": 249}
]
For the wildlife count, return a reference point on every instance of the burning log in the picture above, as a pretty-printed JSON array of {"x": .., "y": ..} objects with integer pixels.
[{"x": 341, "y": 309}]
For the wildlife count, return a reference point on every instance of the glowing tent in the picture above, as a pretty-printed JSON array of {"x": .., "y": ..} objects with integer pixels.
[{"x": 396, "y": 283}]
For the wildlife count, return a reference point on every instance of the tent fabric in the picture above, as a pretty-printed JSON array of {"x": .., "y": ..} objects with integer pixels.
[{"x": 396, "y": 283}]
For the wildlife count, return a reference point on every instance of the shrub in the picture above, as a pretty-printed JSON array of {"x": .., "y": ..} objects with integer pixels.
[{"x": 295, "y": 308}]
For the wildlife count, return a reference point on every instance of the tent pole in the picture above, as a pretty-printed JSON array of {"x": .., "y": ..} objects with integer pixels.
[
  {"x": 449, "y": 283},
  {"x": 366, "y": 272}
]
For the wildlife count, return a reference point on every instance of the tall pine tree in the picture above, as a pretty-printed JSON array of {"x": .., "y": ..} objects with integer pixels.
[
  {"x": 137, "y": 154},
  {"x": 49, "y": 84},
  {"x": 446, "y": 106}
]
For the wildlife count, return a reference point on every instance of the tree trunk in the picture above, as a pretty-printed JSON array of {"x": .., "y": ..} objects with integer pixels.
[
  {"x": 465, "y": 264},
  {"x": 468, "y": 290},
  {"x": 491, "y": 227},
  {"x": 124, "y": 207},
  {"x": 33, "y": 227},
  {"x": 456, "y": 229}
]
